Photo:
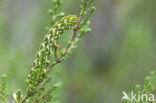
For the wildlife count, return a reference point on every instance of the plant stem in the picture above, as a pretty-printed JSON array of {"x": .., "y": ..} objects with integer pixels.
[
  {"x": 59, "y": 59},
  {"x": 75, "y": 30}
]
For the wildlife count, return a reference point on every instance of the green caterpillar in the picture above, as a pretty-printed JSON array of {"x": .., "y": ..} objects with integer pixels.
[{"x": 47, "y": 50}]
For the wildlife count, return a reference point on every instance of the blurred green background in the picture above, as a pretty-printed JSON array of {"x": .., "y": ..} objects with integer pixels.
[{"x": 115, "y": 56}]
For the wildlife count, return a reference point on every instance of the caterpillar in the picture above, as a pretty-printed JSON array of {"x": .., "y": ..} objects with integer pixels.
[{"x": 47, "y": 49}]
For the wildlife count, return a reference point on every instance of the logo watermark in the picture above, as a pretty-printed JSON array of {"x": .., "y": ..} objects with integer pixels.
[{"x": 137, "y": 97}]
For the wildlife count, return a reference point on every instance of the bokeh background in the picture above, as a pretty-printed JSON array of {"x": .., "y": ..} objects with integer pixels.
[{"x": 115, "y": 56}]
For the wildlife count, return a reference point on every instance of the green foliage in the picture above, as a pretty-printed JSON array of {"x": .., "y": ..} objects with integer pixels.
[
  {"x": 47, "y": 52},
  {"x": 103, "y": 65},
  {"x": 17, "y": 96},
  {"x": 3, "y": 89},
  {"x": 55, "y": 15},
  {"x": 40, "y": 78},
  {"x": 149, "y": 88}
]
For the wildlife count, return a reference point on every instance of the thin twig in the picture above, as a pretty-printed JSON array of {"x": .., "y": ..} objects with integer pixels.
[
  {"x": 75, "y": 30},
  {"x": 77, "y": 27}
]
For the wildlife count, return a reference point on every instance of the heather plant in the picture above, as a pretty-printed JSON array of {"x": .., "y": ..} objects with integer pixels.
[
  {"x": 40, "y": 78},
  {"x": 145, "y": 94},
  {"x": 3, "y": 89}
]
